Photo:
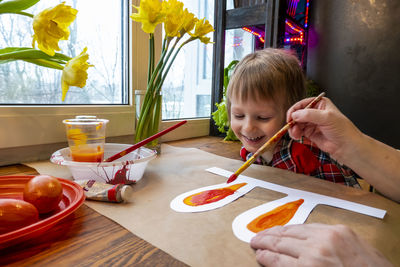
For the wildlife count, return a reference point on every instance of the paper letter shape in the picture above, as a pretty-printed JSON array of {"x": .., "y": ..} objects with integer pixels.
[{"x": 240, "y": 223}]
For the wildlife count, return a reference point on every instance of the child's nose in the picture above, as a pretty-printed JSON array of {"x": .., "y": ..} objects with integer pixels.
[{"x": 248, "y": 125}]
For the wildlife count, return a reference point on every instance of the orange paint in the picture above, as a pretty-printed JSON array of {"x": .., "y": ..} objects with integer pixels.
[
  {"x": 87, "y": 154},
  {"x": 210, "y": 196},
  {"x": 278, "y": 216}
]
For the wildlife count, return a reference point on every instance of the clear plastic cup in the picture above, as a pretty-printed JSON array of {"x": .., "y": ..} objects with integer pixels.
[{"x": 86, "y": 138}]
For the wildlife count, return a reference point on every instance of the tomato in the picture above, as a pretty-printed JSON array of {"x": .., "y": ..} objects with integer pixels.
[
  {"x": 15, "y": 213},
  {"x": 44, "y": 192}
]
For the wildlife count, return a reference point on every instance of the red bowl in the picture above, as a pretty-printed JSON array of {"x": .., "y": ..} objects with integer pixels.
[{"x": 13, "y": 187}]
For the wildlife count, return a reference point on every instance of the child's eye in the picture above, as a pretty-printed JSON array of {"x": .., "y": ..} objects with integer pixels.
[
  {"x": 238, "y": 116},
  {"x": 264, "y": 118}
]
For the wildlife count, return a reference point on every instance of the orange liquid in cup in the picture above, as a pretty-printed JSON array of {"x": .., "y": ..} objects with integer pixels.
[{"x": 88, "y": 154}]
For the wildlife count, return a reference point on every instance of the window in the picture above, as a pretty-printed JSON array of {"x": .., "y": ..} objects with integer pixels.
[
  {"x": 187, "y": 88},
  {"x": 30, "y": 96},
  {"x": 31, "y": 115},
  {"x": 238, "y": 44},
  {"x": 24, "y": 83}
]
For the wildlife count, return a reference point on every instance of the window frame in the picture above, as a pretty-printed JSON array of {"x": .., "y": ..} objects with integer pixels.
[
  {"x": 39, "y": 129},
  {"x": 195, "y": 127}
]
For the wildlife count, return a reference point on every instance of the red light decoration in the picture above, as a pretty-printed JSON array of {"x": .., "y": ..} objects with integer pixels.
[
  {"x": 296, "y": 32},
  {"x": 306, "y": 18},
  {"x": 292, "y": 6},
  {"x": 299, "y": 38},
  {"x": 255, "y": 34}
]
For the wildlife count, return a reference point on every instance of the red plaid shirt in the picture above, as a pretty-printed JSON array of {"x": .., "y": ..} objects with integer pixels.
[{"x": 301, "y": 156}]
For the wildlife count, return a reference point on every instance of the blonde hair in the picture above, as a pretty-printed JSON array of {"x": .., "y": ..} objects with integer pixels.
[{"x": 268, "y": 74}]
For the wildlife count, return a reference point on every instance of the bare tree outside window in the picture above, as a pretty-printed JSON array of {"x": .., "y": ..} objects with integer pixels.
[
  {"x": 100, "y": 29},
  {"x": 187, "y": 88}
]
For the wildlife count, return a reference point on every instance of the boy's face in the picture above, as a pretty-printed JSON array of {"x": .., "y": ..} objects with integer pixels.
[{"x": 255, "y": 121}]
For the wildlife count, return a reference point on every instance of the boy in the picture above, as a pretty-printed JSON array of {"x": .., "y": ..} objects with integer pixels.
[{"x": 262, "y": 88}]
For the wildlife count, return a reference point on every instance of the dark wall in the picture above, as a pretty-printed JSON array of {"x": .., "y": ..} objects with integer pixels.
[{"x": 354, "y": 55}]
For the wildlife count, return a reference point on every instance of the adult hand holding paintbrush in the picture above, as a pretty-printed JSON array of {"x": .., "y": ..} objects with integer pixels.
[{"x": 273, "y": 140}]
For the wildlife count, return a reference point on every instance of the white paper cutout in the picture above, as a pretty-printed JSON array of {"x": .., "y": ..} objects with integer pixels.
[
  {"x": 178, "y": 205},
  {"x": 317, "y": 198},
  {"x": 239, "y": 224}
]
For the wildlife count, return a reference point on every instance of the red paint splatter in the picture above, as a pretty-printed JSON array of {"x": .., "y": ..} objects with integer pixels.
[{"x": 120, "y": 176}]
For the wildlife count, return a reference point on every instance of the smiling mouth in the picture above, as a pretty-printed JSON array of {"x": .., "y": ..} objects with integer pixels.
[{"x": 253, "y": 139}]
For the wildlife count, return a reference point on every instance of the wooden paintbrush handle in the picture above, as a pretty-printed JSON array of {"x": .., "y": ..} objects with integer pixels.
[
  {"x": 284, "y": 129},
  {"x": 274, "y": 139}
]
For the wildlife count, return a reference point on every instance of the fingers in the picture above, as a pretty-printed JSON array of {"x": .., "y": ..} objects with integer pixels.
[
  {"x": 313, "y": 116},
  {"x": 302, "y": 231},
  {"x": 286, "y": 240},
  {"x": 283, "y": 245},
  {"x": 324, "y": 103},
  {"x": 270, "y": 258},
  {"x": 313, "y": 245},
  {"x": 295, "y": 231},
  {"x": 297, "y": 131},
  {"x": 299, "y": 105}
]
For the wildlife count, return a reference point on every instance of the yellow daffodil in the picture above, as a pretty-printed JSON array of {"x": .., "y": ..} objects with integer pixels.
[
  {"x": 173, "y": 18},
  {"x": 202, "y": 27},
  {"x": 177, "y": 22},
  {"x": 75, "y": 72},
  {"x": 51, "y": 25},
  {"x": 189, "y": 21},
  {"x": 150, "y": 14}
]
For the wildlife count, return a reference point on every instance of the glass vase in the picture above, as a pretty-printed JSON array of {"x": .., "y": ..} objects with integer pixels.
[{"x": 148, "y": 126}]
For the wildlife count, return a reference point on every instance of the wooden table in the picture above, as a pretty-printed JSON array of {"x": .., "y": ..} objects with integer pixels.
[{"x": 87, "y": 238}]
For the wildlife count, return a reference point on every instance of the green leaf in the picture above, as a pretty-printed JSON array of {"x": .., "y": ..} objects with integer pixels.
[
  {"x": 33, "y": 56},
  {"x": 23, "y": 53},
  {"x": 12, "y": 49},
  {"x": 220, "y": 117},
  {"x": 45, "y": 63},
  {"x": 230, "y": 136},
  {"x": 6, "y": 61},
  {"x": 228, "y": 72},
  {"x": 13, "y": 6},
  {"x": 24, "y": 14}
]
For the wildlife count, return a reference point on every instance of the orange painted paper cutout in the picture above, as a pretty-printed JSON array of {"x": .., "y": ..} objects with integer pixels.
[
  {"x": 209, "y": 196},
  {"x": 278, "y": 216}
]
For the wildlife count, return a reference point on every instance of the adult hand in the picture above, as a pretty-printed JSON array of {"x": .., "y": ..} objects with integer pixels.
[
  {"x": 324, "y": 125},
  {"x": 335, "y": 134},
  {"x": 314, "y": 245}
]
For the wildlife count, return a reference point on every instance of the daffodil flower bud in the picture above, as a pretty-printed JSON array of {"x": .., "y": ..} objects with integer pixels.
[{"x": 75, "y": 72}]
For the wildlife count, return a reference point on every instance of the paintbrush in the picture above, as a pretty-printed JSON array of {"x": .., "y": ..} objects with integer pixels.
[
  {"x": 273, "y": 140},
  {"x": 143, "y": 142}
]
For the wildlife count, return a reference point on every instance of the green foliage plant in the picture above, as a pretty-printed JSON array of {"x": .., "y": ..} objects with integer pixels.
[
  {"x": 220, "y": 116},
  {"x": 313, "y": 89}
]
